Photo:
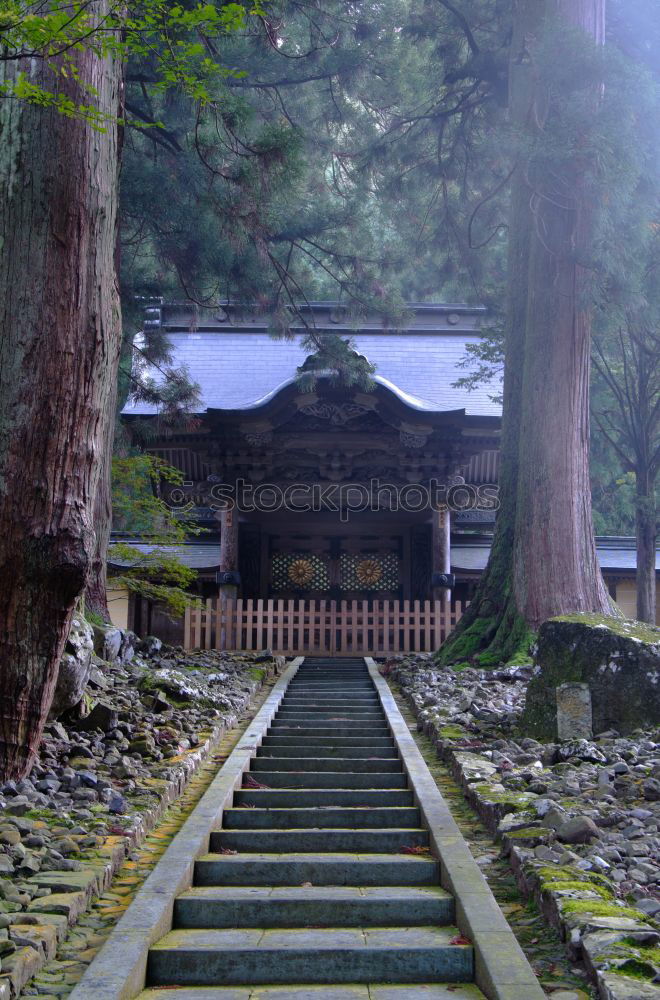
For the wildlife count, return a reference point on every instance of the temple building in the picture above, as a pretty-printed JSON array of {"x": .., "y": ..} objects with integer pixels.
[{"x": 353, "y": 518}]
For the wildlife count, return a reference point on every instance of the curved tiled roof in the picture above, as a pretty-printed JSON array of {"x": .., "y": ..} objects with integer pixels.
[{"x": 238, "y": 365}]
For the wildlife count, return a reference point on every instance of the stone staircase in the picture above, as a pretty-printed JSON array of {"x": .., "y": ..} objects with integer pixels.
[{"x": 320, "y": 883}]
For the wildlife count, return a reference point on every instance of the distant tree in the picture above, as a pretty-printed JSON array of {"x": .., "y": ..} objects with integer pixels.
[
  {"x": 628, "y": 366},
  {"x": 543, "y": 560},
  {"x": 154, "y": 571}
]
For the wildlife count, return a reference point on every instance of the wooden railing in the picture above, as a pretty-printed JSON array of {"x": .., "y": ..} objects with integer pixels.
[{"x": 336, "y": 628}]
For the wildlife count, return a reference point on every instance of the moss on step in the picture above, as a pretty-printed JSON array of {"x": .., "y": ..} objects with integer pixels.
[
  {"x": 452, "y": 732},
  {"x": 595, "y": 909},
  {"x": 630, "y": 958},
  {"x": 557, "y": 873},
  {"x": 517, "y": 802},
  {"x": 528, "y": 833}
]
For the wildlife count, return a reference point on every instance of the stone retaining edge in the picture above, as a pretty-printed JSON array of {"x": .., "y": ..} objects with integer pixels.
[
  {"x": 27, "y": 962},
  {"x": 118, "y": 971},
  {"x": 580, "y": 934},
  {"x": 502, "y": 971}
]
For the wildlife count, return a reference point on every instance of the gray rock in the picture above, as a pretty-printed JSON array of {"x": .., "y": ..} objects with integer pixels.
[
  {"x": 18, "y": 806},
  {"x": 107, "y": 642},
  {"x": 582, "y": 749},
  {"x": 578, "y": 830},
  {"x": 651, "y": 790},
  {"x": 102, "y": 717},
  {"x": 117, "y": 804},
  {"x": 554, "y": 818},
  {"x": 649, "y": 906},
  {"x": 150, "y": 645},
  {"x": 75, "y": 666}
]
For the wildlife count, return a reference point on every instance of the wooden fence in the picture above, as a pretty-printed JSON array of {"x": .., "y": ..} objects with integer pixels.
[{"x": 333, "y": 628}]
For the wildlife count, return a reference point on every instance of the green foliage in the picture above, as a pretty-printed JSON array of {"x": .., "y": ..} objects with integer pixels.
[
  {"x": 94, "y": 618},
  {"x": 153, "y": 571},
  {"x": 176, "y": 40}
]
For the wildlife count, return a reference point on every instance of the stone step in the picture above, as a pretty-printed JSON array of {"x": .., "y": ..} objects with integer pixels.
[
  {"x": 356, "y": 869},
  {"x": 319, "y": 679},
  {"x": 341, "y": 817},
  {"x": 303, "y": 797},
  {"x": 330, "y": 955},
  {"x": 291, "y": 906},
  {"x": 336, "y": 741},
  {"x": 341, "y": 689},
  {"x": 327, "y": 719},
  {"x": 358, "y": 720},
  {"x": 287, "y": 729},
  {"x": 314, "y": 698},
  {"x": 326, "y": 750},
  {"x": 343, "y": 697},
  {"x": 310, "y": 991},
  {"x": 318, "y": 715},
  {"x": 332, "y": 779},
  {"x": 317, "y": 764},
  {"x": 319, "y": 839},
  {"x": 329, "y": 707}
]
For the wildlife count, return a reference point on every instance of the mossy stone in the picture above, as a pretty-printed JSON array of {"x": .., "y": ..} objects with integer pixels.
[{"x": 618, "y": 659}]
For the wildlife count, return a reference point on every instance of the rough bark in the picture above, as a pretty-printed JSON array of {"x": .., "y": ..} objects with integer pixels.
[
  {"x": 543, "y": 559},
  {"x": 59, "y": 348},
  {"x": 554, "y": 530},
  {"x": 96, "y": 598},
  {"x": 646, "y": 531}
]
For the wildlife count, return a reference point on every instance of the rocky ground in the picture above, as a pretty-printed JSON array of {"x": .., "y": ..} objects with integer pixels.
[
  {"x": 106, "y": 771},
  {"x": 580, "y": 820}
]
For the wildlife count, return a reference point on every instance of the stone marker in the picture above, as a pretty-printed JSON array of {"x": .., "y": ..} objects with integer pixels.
[{"x": 574, "y": 719}]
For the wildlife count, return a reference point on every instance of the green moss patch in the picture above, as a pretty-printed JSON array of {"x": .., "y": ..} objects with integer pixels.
[
  {"x": 557, "y": 873},
  {"x": 595, "y": 909},
  {"x": 516, "y": 801},
  {"x": 451, "y": 733},
  {"x": 639, "y": 961},
  {"x": 620, "y": 626}
]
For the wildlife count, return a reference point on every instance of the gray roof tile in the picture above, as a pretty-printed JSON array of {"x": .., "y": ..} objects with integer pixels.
[{"x": 235, "y": 367}]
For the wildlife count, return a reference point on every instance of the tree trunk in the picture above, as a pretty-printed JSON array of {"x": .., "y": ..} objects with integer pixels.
[
  {"x": 96, "y": 595},
  {"x": 59, "y": 349},
  {"x": 646, "y": 530},
  {"x": 556, "y": 568},
  {"x": 543, "y": 560},
  {"x": 96, "y": 598}
]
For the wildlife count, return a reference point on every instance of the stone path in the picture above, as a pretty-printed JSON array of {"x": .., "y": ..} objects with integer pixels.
[{"x": 321, "y": 882}]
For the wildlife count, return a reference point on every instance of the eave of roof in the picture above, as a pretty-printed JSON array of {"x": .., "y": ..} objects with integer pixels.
[
  {"x": 238, "y": 366},
  {"x": 469, "y": 555}
]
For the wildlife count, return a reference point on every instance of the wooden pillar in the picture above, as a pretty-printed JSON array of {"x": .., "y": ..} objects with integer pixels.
[
  {"x": 228, "y": 564},
  {"x": 228, "y": 551},
  {"x": 441, "y": 545}
]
